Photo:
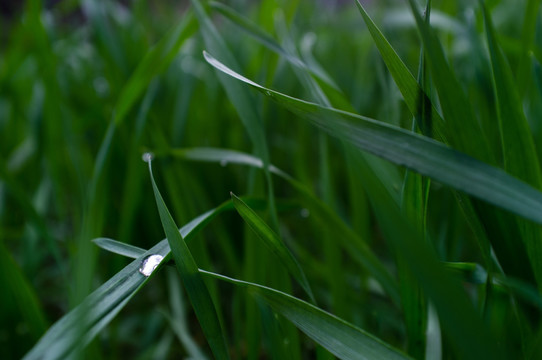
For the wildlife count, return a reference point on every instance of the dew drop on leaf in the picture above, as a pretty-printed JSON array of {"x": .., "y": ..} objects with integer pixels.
[{"x": 149, "y": 264}]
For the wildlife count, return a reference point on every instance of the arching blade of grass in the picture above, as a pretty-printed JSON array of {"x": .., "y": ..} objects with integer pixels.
[
  {"x": 356, "y": 247},
  {"x": 416, "y": 152},
  {"x": 119, "y": 247},
  {"x": 195, "y": 287},
  {"x": 273, "y": 242},
  {"x": 336, "y": 335},
  {"x": 519, "y": 151},
  {"x": 78, "y": 327}
]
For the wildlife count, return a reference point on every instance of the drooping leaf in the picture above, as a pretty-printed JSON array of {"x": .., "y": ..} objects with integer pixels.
[{"x": 342, "y": 339}]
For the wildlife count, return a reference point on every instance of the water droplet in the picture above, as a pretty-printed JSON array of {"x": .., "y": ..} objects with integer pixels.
[
  {"x": 149, "y": 264},
  {"x": 147, "y": 157},
  {"x": 268, "y": 93},
  {"x": 223, "y": 162},
  {"x": 305, "y": 213}
]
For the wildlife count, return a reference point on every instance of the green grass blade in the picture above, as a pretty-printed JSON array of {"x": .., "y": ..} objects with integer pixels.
[
  {"x": 518, "y": 148},
  {"x": 273, "y": 242},
  {"x": 195, "y": 287},
  {"x": 415, "y": 98},
  {"x": 519, "y": 151},
  {"x": 119, "y": 248},
  {"x": 462, "y": 128},
  {"x": 414, "y": 199},
  {"x": 349, "y": 239},
  {"x": 416, "y": 152},
  {"x": 342, "y": 339}
]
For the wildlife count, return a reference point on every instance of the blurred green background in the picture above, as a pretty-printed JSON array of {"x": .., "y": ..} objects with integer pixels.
[{"x": 86, "y": 87}]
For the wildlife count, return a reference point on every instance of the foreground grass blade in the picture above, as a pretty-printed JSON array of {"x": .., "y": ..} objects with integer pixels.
[
  {"x": 195, "y": 287},
  {"x": 355, "y": 246},
  {"x": 77, "y": 328},
  {"x": 342, "y": 339},
  {"x": 273, "y": 242},
  {"x": 415, "y": 152}
]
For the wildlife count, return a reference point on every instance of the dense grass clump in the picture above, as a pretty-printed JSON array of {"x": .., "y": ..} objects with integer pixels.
[{"x": 358, "y": 180}]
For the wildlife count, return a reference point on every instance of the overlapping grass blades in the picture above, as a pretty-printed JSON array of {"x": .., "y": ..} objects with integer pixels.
[
  {"x": 351, "y": 241},
  {"x": 78, "y": 327},
  {"x": 413, "y": 151},
  {"x": 195, "y": 287}
]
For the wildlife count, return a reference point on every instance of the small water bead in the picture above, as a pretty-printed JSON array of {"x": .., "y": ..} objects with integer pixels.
[
  {"x": 223, "y": 162},
  {"x": 147, "y": 157},
  {"x": 305, "y": 213},
  {"x": 149, "y": 264}
]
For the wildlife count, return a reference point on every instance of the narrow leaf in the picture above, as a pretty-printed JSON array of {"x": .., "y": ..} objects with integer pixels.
[
  {"x": 342, "y": 339},
  {"x": 119, "y": 248},
  {"x": 273, "y": 242},
  {"x": 195, "y": 287}
]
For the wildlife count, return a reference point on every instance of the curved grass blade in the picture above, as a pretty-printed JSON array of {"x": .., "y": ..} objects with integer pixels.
[
  {"x": 273, "y": 242},
  {"x": 118, "y": 247},
  {"x": 342, "y": 339},
  {"x": 413, "y": 151},
  {"x": 354, "y": 245},
  {"x": 195, "y": 287}
]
